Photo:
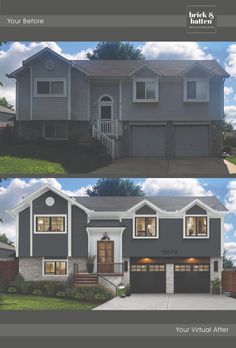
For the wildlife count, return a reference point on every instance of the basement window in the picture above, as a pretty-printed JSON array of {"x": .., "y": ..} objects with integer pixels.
[{"x": 55, "y": 267}]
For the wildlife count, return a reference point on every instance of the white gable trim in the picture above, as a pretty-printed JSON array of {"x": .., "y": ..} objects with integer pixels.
[
  {"x": 196, "y": 65},
  {"x": 145, "y": 66},
  {"x": 201, "y": 204},
  {"x": 142, "y": 203}
]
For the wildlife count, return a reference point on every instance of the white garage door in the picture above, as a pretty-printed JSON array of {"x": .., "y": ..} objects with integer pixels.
[
  {"x": 148, "y": 141},
  {"x": 191, "y": 141}
]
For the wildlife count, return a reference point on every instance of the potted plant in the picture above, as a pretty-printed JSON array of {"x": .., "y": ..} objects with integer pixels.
[
  {"x": 121, "y": 290},
  {"x": 90, "y": 263},
  {"x": 215, "y": 286}
]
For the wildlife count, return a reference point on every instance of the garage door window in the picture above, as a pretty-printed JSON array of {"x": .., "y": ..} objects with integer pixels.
[
  {"x": 139, "y": 268},
  {"x": 196, "y": 226},
  {"x": 201, "y": 268},
  {"x": 145, "y": 227},
  {"x": 182, "y": 268},
  {"x": 157, "y": 268}
]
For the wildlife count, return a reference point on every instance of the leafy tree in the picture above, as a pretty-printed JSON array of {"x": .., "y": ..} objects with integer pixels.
[
  {"x": 227, "y": 125},
  {"x": 115, "y": 50},
  {"x": 227, "y": 261},
  {"x": 5, "y": 103},
  {"x": 4, "y": 239},
  {"x": 115, "y": 187}
]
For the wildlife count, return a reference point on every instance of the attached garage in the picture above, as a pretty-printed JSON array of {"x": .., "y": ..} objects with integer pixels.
[
  {"x": 149, "y": 278},
  {"x": 192, "y": 141},
  {"x": 192, "y": 278},
  {"x": 147, "y": 141}
]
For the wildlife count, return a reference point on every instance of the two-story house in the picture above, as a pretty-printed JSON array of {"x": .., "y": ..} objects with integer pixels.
[
  {"x": 157, "y": 244},
  {"x": 171, "y": 108}
]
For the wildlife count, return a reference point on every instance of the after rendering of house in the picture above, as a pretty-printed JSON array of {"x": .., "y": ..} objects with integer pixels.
[
  {"x": 155, "y": 244},
  {"x": 158, "y": 108}
]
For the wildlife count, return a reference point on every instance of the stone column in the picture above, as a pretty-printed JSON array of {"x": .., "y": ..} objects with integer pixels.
[
  {"x": 215, "y": 275},
  {"x": 169, "y": 278}
]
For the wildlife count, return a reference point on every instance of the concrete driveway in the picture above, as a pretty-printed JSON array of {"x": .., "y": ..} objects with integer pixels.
[
  {"x": 170, "y": 302},
  {"x": 162, "y": 167}
]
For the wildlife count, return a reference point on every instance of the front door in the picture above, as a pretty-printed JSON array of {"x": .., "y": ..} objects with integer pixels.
[{"x": 105, "y": 256}]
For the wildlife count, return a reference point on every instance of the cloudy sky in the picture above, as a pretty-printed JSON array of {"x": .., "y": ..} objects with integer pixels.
[
  {"x": 12, "y": 54},
  {"x": 14, "y": 190}
]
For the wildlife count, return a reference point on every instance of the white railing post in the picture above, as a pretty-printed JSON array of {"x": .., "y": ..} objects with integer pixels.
[
  {"x": 117, "y": 129},
  {"x": 112, "y": 149}
]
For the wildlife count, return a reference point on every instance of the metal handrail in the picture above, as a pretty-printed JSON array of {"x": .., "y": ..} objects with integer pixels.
[
  {"x": 104, "y": 140},
  {"x": 110, "y": 282}
]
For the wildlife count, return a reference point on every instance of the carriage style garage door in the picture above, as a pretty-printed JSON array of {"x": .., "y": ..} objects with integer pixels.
[
  {"x": 148, "y": 141},
  {"x": 148, "y": 278},
  {"x": 192, "y": 141},
  {"x": 192, "y": 278}
]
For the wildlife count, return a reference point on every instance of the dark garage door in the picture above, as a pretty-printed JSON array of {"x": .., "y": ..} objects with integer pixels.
[
  {"x": 148, "y": 141},
  {"x": 192, "y": 278},
  {"x": 192, "y": 141},
  {"x": 148, "y": 278}
]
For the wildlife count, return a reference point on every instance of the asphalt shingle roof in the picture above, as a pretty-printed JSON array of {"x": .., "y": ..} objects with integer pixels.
[{"x": 6, "y": 246}]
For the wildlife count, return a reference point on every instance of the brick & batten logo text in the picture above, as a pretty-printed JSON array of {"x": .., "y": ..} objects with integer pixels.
[{"x": 201, "y": 19}]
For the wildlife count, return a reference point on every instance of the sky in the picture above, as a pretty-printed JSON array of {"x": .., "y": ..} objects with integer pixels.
[
  {"x": 12, "y": 54},
  {"x": 14, "y": 190}
]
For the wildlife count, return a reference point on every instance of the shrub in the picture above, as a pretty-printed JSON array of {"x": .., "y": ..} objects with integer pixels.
[
  {"x": 3, "y": 284},
  {"x": 92, "y": 294},
  {"x": 12, "y": 290},
  {"x": 21, "y": 284},
  {"x": 100, "y": 297},
  {"x": 227, "y": 149},
  {"x": 61, "y": 293},
  {"x": 79, "y": 295},
  {"x": 37, "y": 292}
]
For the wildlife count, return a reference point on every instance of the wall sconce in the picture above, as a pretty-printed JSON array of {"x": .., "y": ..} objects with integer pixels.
[{"x": 105, "y": 236}]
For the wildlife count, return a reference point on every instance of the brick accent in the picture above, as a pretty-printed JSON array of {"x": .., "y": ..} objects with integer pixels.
[
  {"x": 169, "y": 278},
  {"x": 9, "y": 270}
]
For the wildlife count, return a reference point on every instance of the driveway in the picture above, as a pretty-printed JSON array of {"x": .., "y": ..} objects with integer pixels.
[
  {"x": 162, "y": 167},
  {"x": 170, "y": 302}
]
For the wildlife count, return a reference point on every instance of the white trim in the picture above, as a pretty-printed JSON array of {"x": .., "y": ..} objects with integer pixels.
[
  {"x": 196, "y": 237},
  {"x": 47, "y": 79},
  {"x": 17, "y": 235},
  {"x": 69, "y": 230},
  {"x": 105, "y": 103},
  {"x": 120, "y": 100},
  {"x": 31, "y": 94},
  {"x": 146, "y": 216},
  {"x": 69, "y": 92},
  {"x": 156, "y": 99},
  {"x": 50, "y": 215},
  {"x": 222, "y": 236},
  {"x": 145, "y": 66},
  {"x": 194, "y": 65},
  {"x": 52, "y": 123},
  {"x": 141, "y": 204},
  {"x": 196, "y": 100},
  {"x": 55, "y": 260},
  {"x": 201, "y": 204},
  {"x": 31, "y": 228},
  {"x": 89, "y": 100},
  {"x": 17, "y": 100}
]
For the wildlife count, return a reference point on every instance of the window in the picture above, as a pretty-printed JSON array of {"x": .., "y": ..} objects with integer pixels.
[
  {"x": 196, "y": 226},
  {"x": 182, "y": 268},
  {"x": 200, "y": 268},
  {"x": 145, "y": 227},
  {"x": 105, "y": 107},
  {"x": 157, "y": 268},
  {"x": 146, "y": 90},
  {"x": 47, "y": 88},
  {"x": 138, "y": 268},
  {"x": 52, "y": 267},
  {"x": 50, "y": 224},
  {"x": 55, "y": 131},
  {"x": 196, "y": 90}
]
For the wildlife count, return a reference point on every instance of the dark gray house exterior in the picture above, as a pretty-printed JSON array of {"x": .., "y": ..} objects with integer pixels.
[
  {"x": 157, "y": 244},
  {"x": 136, "y": 108}
]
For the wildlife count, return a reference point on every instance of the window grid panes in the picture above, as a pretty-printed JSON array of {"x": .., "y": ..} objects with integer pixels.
[
  {"x": 182, "y": 268},
  {"x": 145, "y": 90},
  {"x": 157, "y": 268},
  {"x": 55, "y": 267},
  {"x": 50, "y": 224},
  {"x": 196, "y": 226},
  {"x": 145, "y": 227},
  {"x": 138, "y": 268},
  {"x": 200, "y": 268}
]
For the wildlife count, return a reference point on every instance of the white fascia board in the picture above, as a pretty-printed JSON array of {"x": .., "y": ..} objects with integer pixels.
[
  {"x": 145, "y": 202},
  {"x": 145, "y": 66},
  {"x": 194, "y": 65},
  {"x": 200, "y": 203}
]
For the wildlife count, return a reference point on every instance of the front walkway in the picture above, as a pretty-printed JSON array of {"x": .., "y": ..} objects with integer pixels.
[
  {"x": 170, "y": 302},
  {"x": 161, "y": 167}
]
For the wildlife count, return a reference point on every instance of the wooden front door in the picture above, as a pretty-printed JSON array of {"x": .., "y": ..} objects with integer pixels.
[{"x": 105, "y": 256}]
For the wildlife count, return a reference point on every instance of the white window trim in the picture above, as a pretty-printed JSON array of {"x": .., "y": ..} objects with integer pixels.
[
  {"x": 50, "y": 215},
  {"x": 105, "y": 103},
  {"x": 156, "y": 80},
  {"x": 196, "y": 79},
  {"x": 196, "y": 237},
  {"x": 55, "y": 260},
  {"x": 54, "y": 124},
  {"x": 36, "y": 80},
  {"x": 145, "y": 216}
]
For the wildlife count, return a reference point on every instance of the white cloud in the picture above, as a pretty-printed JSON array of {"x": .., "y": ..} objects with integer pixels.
[
  {"x": 228, "y": 90},
  {"x": 230, "y": 64},
  {"x": 12, "y": 58},
  {"x": 230, "y": 199},
  {"x": 231, "y": 250},
  {"x": 230, "y": 111},
  {"x": 174, "y": 50},
  {"x": 185, "y": 187},
  {"x": 228, "y": 227},
  {"x": 13, "y": 194}
]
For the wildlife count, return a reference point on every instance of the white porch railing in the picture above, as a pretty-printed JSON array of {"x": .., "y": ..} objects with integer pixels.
[
  {"x": 104, "y": 140},
  {"x": 108, "y": 127}
]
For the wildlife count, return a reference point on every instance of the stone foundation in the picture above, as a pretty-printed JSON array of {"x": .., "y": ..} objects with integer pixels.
[{"x": 169, "y": 278}]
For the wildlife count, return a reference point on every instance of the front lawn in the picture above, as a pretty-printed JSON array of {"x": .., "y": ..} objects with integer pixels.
[
  {"x": 25, "y": 302},
  {"x": 231, "y": 159},
  {"x": 50, "y": 158}
]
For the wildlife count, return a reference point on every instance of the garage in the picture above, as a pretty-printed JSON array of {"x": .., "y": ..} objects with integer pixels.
[
  {"x": 192, "y": 141},
  {"x": 149, "y": 278},
  {"x": 192, "y": 278},
  {"x": 148, "y": 141}
]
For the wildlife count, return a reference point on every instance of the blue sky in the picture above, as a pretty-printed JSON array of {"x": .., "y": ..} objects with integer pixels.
[
  {"x": 224, "y": 189},
  {"x": 12, "y": 54}
]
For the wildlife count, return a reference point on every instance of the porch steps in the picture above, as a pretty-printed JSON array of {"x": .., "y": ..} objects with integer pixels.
[
  {"x": 86, "y": 140},
  {"x": 85, "y": 279}
]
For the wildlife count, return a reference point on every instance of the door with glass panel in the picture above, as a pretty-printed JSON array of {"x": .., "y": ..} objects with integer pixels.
[{"x": 105, "y": 256}]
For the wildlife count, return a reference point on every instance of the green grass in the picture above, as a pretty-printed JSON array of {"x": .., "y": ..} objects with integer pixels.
[
  {"x": 50, "y": 158},
  {"x": 24, "y": 302},
  {"x": 231, "y": 159}
]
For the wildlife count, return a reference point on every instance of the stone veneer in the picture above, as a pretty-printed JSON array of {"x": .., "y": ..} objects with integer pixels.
[
  {"x": 169, "y": 278},
  {"x": 215, "y": 275}
]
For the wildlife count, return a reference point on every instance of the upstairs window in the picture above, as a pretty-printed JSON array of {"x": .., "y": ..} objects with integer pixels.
[
  {"x": 50, "y": 224},
  {"x": 145, "y": 227},
  {"x": 49, "y": 88},
  {"x": 196, "y": 90},
  {"x": 196, "y": 226},
  {"x": 145, "y": 90}
]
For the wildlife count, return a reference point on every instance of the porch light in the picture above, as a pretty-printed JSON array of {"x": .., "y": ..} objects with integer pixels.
[{"x": 105, "y": 236}]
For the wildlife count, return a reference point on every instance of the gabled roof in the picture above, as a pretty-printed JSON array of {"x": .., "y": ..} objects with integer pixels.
[
  {"x": 5, "y": 110},
  {"x": 6, "y": 246}
]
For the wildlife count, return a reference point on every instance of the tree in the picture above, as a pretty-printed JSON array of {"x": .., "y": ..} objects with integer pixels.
[
  {"x": 4, "y": 239},
  {"x": 115, "y": 187},
  {"x": 227, "y": 261},
  {"x": 1, "y": 43},
  {"x": 115, "y": 50},
  {"x": 5, "y": 103},
  {"x": 227, "y": 125}
]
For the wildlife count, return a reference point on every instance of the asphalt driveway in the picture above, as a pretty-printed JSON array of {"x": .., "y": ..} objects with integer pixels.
[
  {"x": 170, "y": 302},
  {"x": 162, "y": 167}
]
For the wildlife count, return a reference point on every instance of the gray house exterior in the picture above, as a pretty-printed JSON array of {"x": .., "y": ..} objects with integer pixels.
[
  {"x": 155, "y": 244},
  {"x": 136, "y": 108},
  {"x": 7, "y": 252}
]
